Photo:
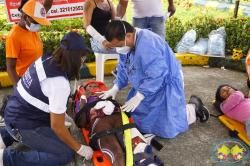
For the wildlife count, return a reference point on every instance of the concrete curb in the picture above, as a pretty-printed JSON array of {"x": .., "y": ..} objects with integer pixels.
[
  {"x": 185, "y": 59},
  {"x": 4, "y": 80}
]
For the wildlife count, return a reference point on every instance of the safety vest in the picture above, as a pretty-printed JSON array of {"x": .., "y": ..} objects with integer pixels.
[{"x": 28, "y": 107}]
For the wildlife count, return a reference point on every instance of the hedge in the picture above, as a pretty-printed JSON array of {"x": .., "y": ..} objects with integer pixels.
[{"x": 238, "y": 33}]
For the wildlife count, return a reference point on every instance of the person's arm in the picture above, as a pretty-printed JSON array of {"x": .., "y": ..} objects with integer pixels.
[
  {"x": 121, "y": 8},
  {"x": 47, "y": 4},
  {"x": 112, "y": 9},
  {"x": 122, "y": 78},
  {"x": 171, "y": 7},
  {"x": 58, "y": 97},
  {"x": 154, "y": 66},
  {"x": 57, "y": 125},
  {"x": 13, "y": 51},
  {"x": 11, "y": 70},
  {"x": 233, "y": 100},
  {"x": 88, "y": 11},
  {"x": 87, "y": 17}
]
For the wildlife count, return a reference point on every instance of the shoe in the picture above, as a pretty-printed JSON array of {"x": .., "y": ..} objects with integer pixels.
[{"x": 201, "y": 111}]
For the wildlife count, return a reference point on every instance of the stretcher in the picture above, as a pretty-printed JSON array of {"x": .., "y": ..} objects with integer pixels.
[
  {"x": 99, "y": 159},
  {"x": 236, "y": 127}
]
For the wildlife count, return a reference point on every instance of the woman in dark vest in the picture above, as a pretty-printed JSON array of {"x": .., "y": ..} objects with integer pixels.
[
  {"x": 97, "y": 14},
  {"x": 35, "y": 113}
]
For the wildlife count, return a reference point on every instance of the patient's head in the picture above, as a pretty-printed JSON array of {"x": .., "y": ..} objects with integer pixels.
[
  {"x": 222, "y": 93},
  {"x": 93, "y": 87}
]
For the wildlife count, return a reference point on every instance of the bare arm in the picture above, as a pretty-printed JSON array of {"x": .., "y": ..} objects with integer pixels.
[
  {"x": 171, "y": 7},
  {"x": 57, "y": 125},
  {"x": 121, "y": 8},
  {"x": 11, "y": 69},
  {"x": 47, "y": 4},
  {"x": 88, "y": 11},
  {"x": 112, "y": 9}
]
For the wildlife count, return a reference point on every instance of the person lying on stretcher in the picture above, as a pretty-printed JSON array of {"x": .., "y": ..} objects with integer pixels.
[
  {"x": 233, "y": 104},
  {"x": 103, "y": 120}
]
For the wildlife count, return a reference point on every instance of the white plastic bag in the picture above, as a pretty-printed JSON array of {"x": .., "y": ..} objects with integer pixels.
[
  {"x": 200, "y": 47},
  {"x": 216, "y": 42},
  {"x": 186, "y": 42}
]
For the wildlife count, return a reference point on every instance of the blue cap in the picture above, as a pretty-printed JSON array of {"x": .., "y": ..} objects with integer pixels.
[{"x": 73, "y": 41}]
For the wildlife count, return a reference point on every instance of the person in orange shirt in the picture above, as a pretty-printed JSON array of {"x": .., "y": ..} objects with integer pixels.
[{"x": 23, "y": 44}]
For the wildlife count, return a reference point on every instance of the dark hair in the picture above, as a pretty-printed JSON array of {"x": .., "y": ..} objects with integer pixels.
[
  {"x": 69, "y": 61},
  {"x": 115, "y": 30},
  {"x": 218, "y": 98}
]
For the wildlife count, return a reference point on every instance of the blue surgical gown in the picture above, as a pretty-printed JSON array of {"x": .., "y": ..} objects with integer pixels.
[{"x": 153, "y": 70}]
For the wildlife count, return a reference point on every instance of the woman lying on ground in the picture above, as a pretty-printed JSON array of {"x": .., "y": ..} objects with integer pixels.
[{"x": 233, "y": 104}]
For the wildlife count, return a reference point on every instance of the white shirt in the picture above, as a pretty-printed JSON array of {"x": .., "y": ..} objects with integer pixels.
[
  {"x": 57, "y": 89},
  {"x": 147, "y": 8}
]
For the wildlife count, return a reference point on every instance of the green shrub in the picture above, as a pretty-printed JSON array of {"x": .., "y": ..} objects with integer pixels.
[
  {"x": 238, "y": 32},
  {"x": 51, "y": 40},
  {"x": 2, "y": 56},
  {"x": 174, "y": 31}
]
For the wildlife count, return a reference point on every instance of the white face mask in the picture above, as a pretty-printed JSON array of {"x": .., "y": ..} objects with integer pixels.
[
  {"x": 123, "y": 50},
  {"x": 33, "y": 27}
]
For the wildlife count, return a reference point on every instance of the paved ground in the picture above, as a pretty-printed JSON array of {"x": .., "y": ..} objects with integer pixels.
[{"x": 192, "y": 148}]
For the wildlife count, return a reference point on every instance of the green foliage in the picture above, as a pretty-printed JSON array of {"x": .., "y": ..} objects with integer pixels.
[
  {"x": 2, "y": 55},
  {"x": 238, "y": 34},
  {"x": 174, "y": 31},
  {"x": 51, "y": 41}
]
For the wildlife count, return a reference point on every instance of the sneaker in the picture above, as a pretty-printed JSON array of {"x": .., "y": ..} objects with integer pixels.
[{"x": 201, "y": 111}]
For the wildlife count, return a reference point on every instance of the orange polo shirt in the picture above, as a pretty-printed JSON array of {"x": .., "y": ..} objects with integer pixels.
[{"x": 23, "y": 45}]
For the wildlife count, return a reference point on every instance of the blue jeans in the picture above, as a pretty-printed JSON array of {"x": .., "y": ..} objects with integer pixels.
[
  {"x": 155, "y": 24},
  {"x": 46, "y": 149}
]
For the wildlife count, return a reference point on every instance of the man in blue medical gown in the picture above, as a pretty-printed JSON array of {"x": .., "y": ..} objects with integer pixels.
[{"x": 156, "y": 100}]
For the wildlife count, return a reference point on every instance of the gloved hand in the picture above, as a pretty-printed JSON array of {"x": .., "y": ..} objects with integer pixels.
[
  {"x": 134, "y": 102},
  {"x": 110, "y": 93},
  {"x": 85, "y": 151},
  {"x": 106, "y": 106}
]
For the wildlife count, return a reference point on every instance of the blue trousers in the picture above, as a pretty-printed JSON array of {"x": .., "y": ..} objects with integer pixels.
[
  {"x": 155, "y": 24},
  {"x": 46, "y": 149}
]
